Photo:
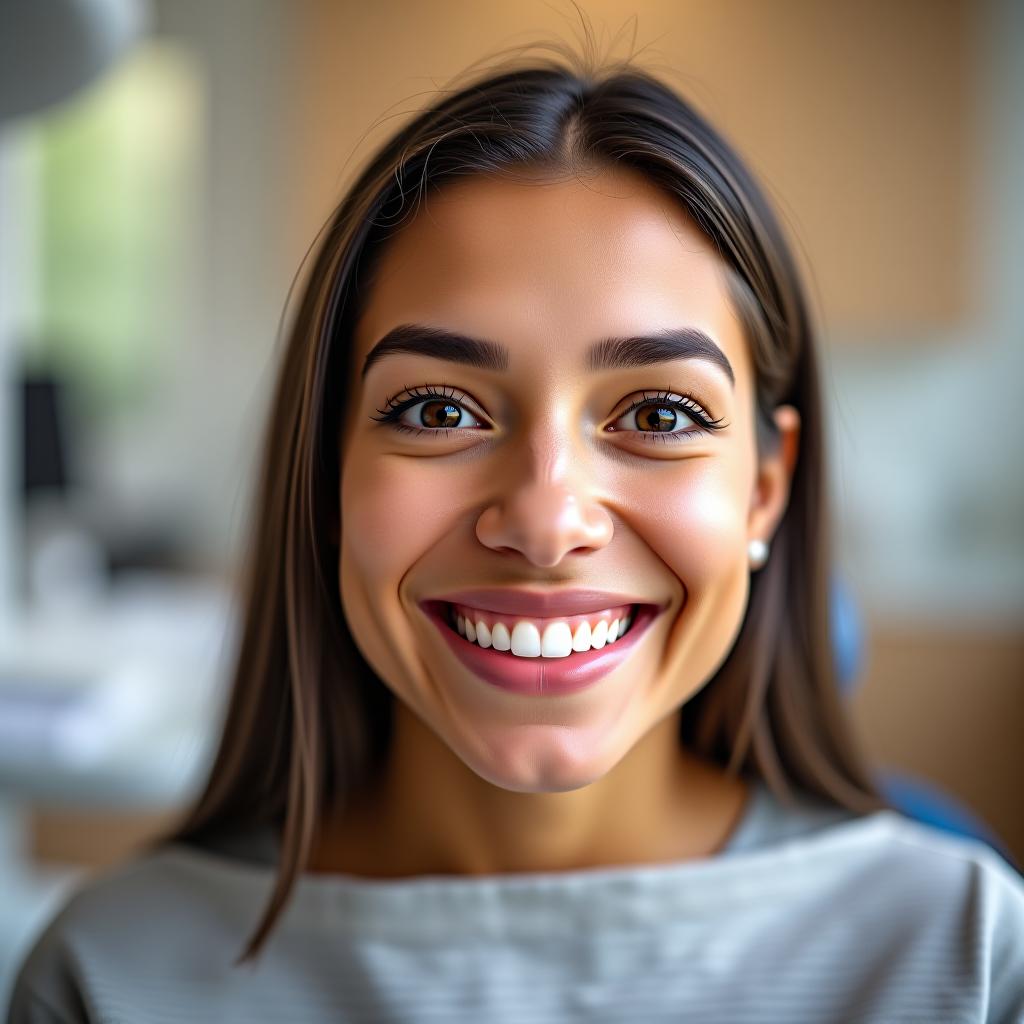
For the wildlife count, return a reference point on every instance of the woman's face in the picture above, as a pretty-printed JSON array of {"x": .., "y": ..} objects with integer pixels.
[{"x": 530, "y": 472}]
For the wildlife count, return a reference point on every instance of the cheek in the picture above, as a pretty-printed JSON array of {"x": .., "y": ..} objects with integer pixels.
[
  {"x": 698, "y": 529},
  {"x": 392, "y": 513},
  {"x": 371, "y": 497},
  {"x": 696, "y": 523}
]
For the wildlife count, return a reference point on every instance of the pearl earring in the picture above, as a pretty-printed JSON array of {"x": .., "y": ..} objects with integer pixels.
[{"x": 757, "y": 550}]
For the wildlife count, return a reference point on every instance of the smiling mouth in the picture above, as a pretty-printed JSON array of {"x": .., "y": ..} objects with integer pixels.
[
  {"x": 521, "y": 668},
  {"x": 519, "y": 637}
]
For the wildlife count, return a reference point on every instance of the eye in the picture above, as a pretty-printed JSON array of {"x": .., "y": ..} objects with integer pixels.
[
  {"x": 662, "y": 417},
  {"x": 438, "y": 410}
]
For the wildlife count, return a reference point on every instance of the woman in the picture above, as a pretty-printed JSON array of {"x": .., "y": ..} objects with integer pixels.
[{"x": 534, "y": 715}]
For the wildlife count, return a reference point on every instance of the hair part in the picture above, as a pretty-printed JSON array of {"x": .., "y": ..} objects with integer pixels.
[{"x": 308, "y": 724}]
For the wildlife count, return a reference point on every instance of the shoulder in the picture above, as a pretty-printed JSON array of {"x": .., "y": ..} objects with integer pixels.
[
  {"x": 928, "y": 924},
  {"x": 927, "y": 861},
  {"x": 887, "y": 856},
  {"x": 125, "y": 922},
  {"x": 929, "y": 897},
  {"x": 896, "y": 852}
]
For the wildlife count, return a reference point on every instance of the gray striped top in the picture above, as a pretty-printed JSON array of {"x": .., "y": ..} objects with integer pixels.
[{"x": 809, "y": 914}]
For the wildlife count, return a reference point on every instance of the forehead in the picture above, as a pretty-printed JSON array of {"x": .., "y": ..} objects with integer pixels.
[{"x": 547, "y": 268}]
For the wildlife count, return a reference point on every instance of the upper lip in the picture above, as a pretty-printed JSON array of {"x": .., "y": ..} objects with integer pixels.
[{"x": 538, "y": 603}]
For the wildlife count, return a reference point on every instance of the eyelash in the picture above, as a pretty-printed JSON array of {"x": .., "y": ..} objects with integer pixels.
[{"x": 393, "y": 409}]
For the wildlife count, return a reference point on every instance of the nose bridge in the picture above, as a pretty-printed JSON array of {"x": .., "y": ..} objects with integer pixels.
[
  {"x": 550, "y": 479},
  {"x": 545, "y": 505}
]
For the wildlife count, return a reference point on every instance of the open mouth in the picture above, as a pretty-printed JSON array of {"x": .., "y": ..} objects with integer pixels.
[
  {"x": 559, "y": 670},
  {"x": 531, "y": 638}
]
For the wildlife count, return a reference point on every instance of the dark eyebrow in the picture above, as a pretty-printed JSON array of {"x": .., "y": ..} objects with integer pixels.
[{"x": 607, "y": 354}]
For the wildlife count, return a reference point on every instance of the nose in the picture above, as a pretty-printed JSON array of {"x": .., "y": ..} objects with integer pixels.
[{"x": 545, "y": 510}]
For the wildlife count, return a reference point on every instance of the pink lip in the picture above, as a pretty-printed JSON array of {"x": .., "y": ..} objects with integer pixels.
[
  {"x": 539, "y": 604},
  {"x": 541, "y": 677}
]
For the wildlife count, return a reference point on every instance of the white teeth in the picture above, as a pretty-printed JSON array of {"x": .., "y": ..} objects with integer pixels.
[
  {"x": 483, "y": 634},
  {"x": 525, "y": 640},
  {"x": 581, "y": 640},
  {"x": 500, "y": 639},
  {"x": 558, "y": 640}
]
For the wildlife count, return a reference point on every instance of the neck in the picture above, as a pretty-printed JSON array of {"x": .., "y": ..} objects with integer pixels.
[{"x": 431, "y": 814}]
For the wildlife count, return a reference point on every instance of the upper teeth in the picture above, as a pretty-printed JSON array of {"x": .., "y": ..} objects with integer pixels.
[{"x": 558, "y": 640}]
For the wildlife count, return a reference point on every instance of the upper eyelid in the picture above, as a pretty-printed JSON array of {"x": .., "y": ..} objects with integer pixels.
[
  {"x": 676, "y": 398},
  {"x": 435, "y": 392}
]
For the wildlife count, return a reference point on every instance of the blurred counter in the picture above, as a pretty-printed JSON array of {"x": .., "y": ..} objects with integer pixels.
[{"x": 115, "y": 703}]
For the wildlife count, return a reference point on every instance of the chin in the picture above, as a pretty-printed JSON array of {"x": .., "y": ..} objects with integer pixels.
[
  {"x": 538, "y": 785},
  {"x": 535, "y": 768}
]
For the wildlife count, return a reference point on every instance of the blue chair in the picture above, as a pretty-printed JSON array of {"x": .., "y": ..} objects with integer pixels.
[{"x": 915, "y": 797}]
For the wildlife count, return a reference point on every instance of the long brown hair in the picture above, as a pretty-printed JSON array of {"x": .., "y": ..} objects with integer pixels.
[{"x": 308, "y": 723}]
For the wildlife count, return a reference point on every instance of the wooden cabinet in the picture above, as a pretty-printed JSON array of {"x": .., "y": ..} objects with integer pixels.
[{"x": 858, "y": 117}]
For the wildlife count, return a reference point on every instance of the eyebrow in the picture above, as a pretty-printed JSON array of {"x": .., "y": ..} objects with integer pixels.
[{"x": 607, "y": 354}]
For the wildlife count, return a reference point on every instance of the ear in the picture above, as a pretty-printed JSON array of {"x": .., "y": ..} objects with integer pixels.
[{"x": 774, "y": 476}]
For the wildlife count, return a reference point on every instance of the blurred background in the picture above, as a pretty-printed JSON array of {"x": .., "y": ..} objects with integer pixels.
[{"x": 164, "y": 167}]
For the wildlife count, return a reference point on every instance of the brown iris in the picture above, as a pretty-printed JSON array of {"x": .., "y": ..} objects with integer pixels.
[
  {"x": 448, "y": 416},
  {"x": 657, "y": 418}
]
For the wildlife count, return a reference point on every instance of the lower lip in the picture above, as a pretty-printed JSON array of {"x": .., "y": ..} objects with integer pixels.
[{"x": 541, "y": 677}]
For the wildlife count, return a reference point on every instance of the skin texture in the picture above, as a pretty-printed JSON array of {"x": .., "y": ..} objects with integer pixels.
[{"x": 532, "y": 488}]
